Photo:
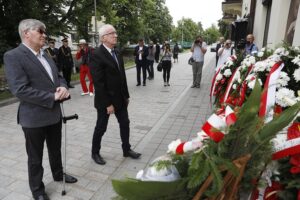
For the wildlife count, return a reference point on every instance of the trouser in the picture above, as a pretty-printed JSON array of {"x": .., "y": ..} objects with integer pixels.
[
  {"x": 101, "y": 126},
  {"x": 67, "y": 71},
  {"x": 150, "y": 68},
  {"x": 197, "y": 73},
  {"x": 85, "y": 71},
  {"x": 35, "y": 138},
  {"x": 141, "y": 66},
  {"x": 166, "y": 64}
]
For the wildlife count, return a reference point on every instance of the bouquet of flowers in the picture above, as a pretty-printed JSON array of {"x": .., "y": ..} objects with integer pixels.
[{"x": 189, "y": 164}]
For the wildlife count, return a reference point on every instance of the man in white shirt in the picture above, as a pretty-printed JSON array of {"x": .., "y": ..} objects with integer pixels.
[{"x": 198, "y": 50}]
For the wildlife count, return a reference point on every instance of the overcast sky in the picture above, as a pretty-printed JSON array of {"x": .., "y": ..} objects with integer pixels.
[{"x": 205, "y": 11}]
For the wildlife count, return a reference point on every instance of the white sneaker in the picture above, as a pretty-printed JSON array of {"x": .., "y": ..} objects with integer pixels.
[
  {"x": 91, "y": 94},
  {"x": 84, "y": 93}
]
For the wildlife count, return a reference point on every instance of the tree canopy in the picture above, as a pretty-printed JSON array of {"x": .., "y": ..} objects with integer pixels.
[{"x": 133, "y": 19}]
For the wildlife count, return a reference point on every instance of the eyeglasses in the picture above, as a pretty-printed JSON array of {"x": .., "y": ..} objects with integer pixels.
[
  {"x": 41, "y": 31},
  {"x": 111, "y": 33}
]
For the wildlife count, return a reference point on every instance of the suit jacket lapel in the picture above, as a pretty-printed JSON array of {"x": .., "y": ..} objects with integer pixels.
[
  {"x": 109, "y": 56},
  {"x": 53, "y": 68},
  {"x": 32, "y": 57}
]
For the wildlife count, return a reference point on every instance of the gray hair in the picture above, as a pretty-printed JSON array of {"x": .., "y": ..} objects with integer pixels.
[
  {"x": 103, "y": 30},
  {"x": 30, "y": 24}
]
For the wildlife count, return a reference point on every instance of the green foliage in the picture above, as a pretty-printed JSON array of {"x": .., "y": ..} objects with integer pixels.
[
  {"x": 211, "y": 34},
  {"x": 187, "y": 28},
  {"x": 132, "y": 189}
]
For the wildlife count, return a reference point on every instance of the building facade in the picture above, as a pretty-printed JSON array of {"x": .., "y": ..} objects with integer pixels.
[{"x": 270, "y": 21}]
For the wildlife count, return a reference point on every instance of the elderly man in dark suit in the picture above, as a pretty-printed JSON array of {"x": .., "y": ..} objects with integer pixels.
[
  {"x": 33, "y": 77},
  {"x": 111, "y": 92}
]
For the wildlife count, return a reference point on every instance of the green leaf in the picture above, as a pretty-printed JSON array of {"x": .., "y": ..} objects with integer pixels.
[{"x": 133, "y": 189}]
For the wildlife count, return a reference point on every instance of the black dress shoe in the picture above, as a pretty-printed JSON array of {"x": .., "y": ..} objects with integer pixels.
[
  {"x": 69, "y": 179},
  {"x": 70, "y": 86},
  {"x": 138, "y": 84},
  {"x": 98, "y": 159},
  {"x": 42, "y": 197},
  {"x": 144, "y": 84},
  {"x": 132, "y": 154}
]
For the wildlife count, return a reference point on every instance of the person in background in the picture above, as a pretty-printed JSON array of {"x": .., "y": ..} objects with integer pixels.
[
  {"x": 65, "y": 61},
  {"x": 53, "y": 52},
  {"x": 198, "y": 50},
  {"x": 85, "y": 52},
  {"x": 141, "y": 53},
  {"x": 250, "y": 48},
  {"x": 150, "y": 60},
  {"x": 111, "y": 92},
  {"x": 219, "y": 45},
  {"x": 175, "y": 52},
  {"x": 157, "y": 52},
  {"x": 166, "y": 63},
  {"x": 224, "y": 53},
  {"x": 34, "y": 79}
]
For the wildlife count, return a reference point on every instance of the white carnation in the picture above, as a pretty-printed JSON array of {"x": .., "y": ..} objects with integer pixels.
[
  {"x": 229, "y": 62},
  {"x": 263, "y": 49},
  {"x": 234, "y": 86},
  {"x": 282, "y": 80},
  {"x": 252, "y": 59},
  {"x": 297, "y": 75},
  {"x": 281, "y": 52},
  {"x": 260, "y": 54},
  {"x": 219, "y": 76},
  {"x": 296, "y": 60},
  {"x": 227, "y": 73},
  {"x": 252, "y": 83},
  {"x": 260, "y": 66},
  {"x": 283, "y": 96}
]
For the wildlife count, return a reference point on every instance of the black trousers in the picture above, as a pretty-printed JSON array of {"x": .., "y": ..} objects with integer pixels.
[
  {"x": 166, "y": 64},
  {"x": 141, "y": 66},
  {"x": 35, "y": 138},
  {"x": 67, "y": 71},
  {"x": 150, "y": 68},
  {"x": 101, "y": 126}
]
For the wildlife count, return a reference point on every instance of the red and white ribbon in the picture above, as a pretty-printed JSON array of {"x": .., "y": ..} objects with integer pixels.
[
  {"x": 268, "y": 95},
  {"x": 215, "y": 124}
]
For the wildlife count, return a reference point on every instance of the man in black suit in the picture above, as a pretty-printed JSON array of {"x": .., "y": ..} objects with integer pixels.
[
  {"x": 111, "y": 92},
  {"x": 65, "y": 61},
  {"x": 141, "y": 53},
  {"x": 33, "y": 77}
]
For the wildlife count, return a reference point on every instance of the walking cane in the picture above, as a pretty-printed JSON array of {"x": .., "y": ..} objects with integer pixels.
[{"x": 65, "y": 119}]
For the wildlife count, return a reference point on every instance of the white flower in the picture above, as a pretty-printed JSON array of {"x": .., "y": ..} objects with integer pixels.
[
  {"x": 260, "y": 54},
  {"x": 219, "y": 76},
  {"x": 283, "y": 96},
  {"x": 234, "y": 86},
  {"x": 275, "y": 58},
  {"x": 252, "y": 59},
  {"x": 227, "y": 73},
  {"x": 297, "y": 75},
  {"x": 252, "y": 83},
  {"x": 296, "y": 49},
  {"x": 229, "y": 62},
  {"x": 263, "y": 49},
  {"x": 239, "y": 80},
  {"x": 296, "y": 60},
  {"x": 173, "y": 146},
  {"x": 281, "y": 52},
  {"x": 260, "y": 66},
  {"x": 282, "y": 80}
]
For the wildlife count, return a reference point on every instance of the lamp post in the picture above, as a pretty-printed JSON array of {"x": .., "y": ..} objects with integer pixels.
[
  {"x": 96, "y": 31},
  {"x": 182, "y": 34}
]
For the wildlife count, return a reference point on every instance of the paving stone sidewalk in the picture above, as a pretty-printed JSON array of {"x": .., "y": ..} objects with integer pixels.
[{"x": 157, "y": 115}]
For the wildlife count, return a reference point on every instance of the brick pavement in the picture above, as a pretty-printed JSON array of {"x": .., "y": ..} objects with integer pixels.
[{"x": 157, "y": 114}]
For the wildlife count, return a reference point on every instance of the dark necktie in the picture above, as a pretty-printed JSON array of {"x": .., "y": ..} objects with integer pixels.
[{"x": 115, "y": 57}]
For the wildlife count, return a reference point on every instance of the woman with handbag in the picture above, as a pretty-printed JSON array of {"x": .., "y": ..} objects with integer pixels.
[{"x": 166, "y": 64}]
